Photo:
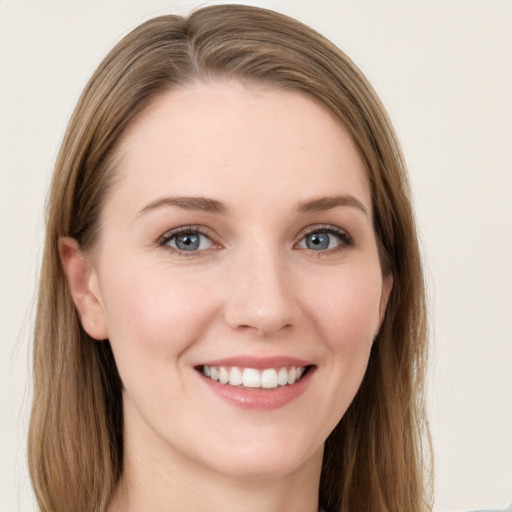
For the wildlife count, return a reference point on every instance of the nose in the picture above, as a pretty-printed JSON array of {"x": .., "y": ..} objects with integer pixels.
[{"x": 260, "y": 295}]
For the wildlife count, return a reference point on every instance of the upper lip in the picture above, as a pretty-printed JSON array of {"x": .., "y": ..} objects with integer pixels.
[{"x": 258, "y": 363}]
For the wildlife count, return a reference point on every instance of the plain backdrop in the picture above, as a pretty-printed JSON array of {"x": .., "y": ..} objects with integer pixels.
[{"x": 444, "y": 71}]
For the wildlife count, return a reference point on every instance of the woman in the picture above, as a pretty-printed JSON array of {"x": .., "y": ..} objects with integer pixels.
[{"x": 231, "y": 309}]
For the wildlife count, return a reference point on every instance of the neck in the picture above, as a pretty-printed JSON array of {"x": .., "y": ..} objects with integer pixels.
[
  {"x": 150, "y": 489},
  {"x": 167, "y": 481}
]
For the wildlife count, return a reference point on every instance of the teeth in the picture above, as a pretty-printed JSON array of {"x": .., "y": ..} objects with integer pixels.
[
  {"x": 235, "y": 377},
  {"x": 282, "y": 377},
  {"x": 223, "y": 375},
  {"x": 250, "y": 378},
  {"x": 269, "y": 378},
  {"x": 292, "y": 375}
]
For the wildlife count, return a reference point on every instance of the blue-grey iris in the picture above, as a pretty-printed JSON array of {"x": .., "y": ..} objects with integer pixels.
[
  {"x": 188, "y": 242},
  {"x": 317, "y": 241}
]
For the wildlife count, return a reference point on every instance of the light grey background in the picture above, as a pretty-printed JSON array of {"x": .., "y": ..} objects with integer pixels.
[{"x": 442, "y": 68}]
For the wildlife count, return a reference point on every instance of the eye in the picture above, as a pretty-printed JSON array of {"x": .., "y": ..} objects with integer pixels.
[
  {"x": 325, "y": 239},
  {"x": 187, "y": 240}
]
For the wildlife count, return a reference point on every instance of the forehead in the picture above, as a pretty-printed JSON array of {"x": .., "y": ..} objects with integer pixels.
[{"x": 233, "y": 141}]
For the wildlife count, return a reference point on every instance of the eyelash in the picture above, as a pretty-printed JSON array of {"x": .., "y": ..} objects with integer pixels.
[
  {"x": 185, "y": 230},
  {"x": 345, "y": 240}
]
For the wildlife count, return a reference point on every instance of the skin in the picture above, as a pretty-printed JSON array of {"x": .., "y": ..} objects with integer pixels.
[{"x": 253, "y": 288}]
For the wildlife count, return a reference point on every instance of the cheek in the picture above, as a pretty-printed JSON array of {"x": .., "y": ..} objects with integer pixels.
[
  {"x": 154, "y": 314},
  {"x": 346, "y": 308},
  {"x": 344, "y": 312}
]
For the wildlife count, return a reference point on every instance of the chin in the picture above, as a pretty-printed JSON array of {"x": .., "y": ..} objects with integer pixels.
[{"x": 265, "y": 459}]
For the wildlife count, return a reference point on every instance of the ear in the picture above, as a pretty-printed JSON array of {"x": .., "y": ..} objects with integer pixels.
[
  {"x": 84, "y": 287},
  {"x": 387, "y": 286}
]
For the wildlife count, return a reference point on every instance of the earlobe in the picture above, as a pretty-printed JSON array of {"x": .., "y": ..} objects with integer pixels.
[{"x": 84, "y": 287}]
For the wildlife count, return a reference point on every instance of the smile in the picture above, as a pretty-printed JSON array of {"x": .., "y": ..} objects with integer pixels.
[
  {"x": 268, "y": 378},
  {"x": 255, "y": 383}
]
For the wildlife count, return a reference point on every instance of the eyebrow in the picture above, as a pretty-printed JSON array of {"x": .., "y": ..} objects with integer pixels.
[
  {"x": 327, "y": 203},
  {"x": 213, "y": 206},
  {"x": 187, "y": 203}
]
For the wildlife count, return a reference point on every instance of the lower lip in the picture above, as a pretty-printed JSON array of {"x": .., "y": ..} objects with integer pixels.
[{"x": 260, "y": 399}]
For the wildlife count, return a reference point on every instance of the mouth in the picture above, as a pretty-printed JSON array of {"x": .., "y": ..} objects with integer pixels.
[
  {"x": 255, "y": 378},
  {"x": 255, "y": 383}
]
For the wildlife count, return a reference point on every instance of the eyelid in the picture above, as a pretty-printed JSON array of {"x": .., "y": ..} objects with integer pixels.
[
  {"x": 163, "y": 240},
  {"x": 346, "y": 240}
]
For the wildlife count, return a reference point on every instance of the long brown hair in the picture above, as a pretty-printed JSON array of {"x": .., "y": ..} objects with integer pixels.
[{"x": 374, "y": 459}]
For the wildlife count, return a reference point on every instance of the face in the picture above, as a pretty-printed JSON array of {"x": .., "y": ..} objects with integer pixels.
[{"x": 237, "y": 278}]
